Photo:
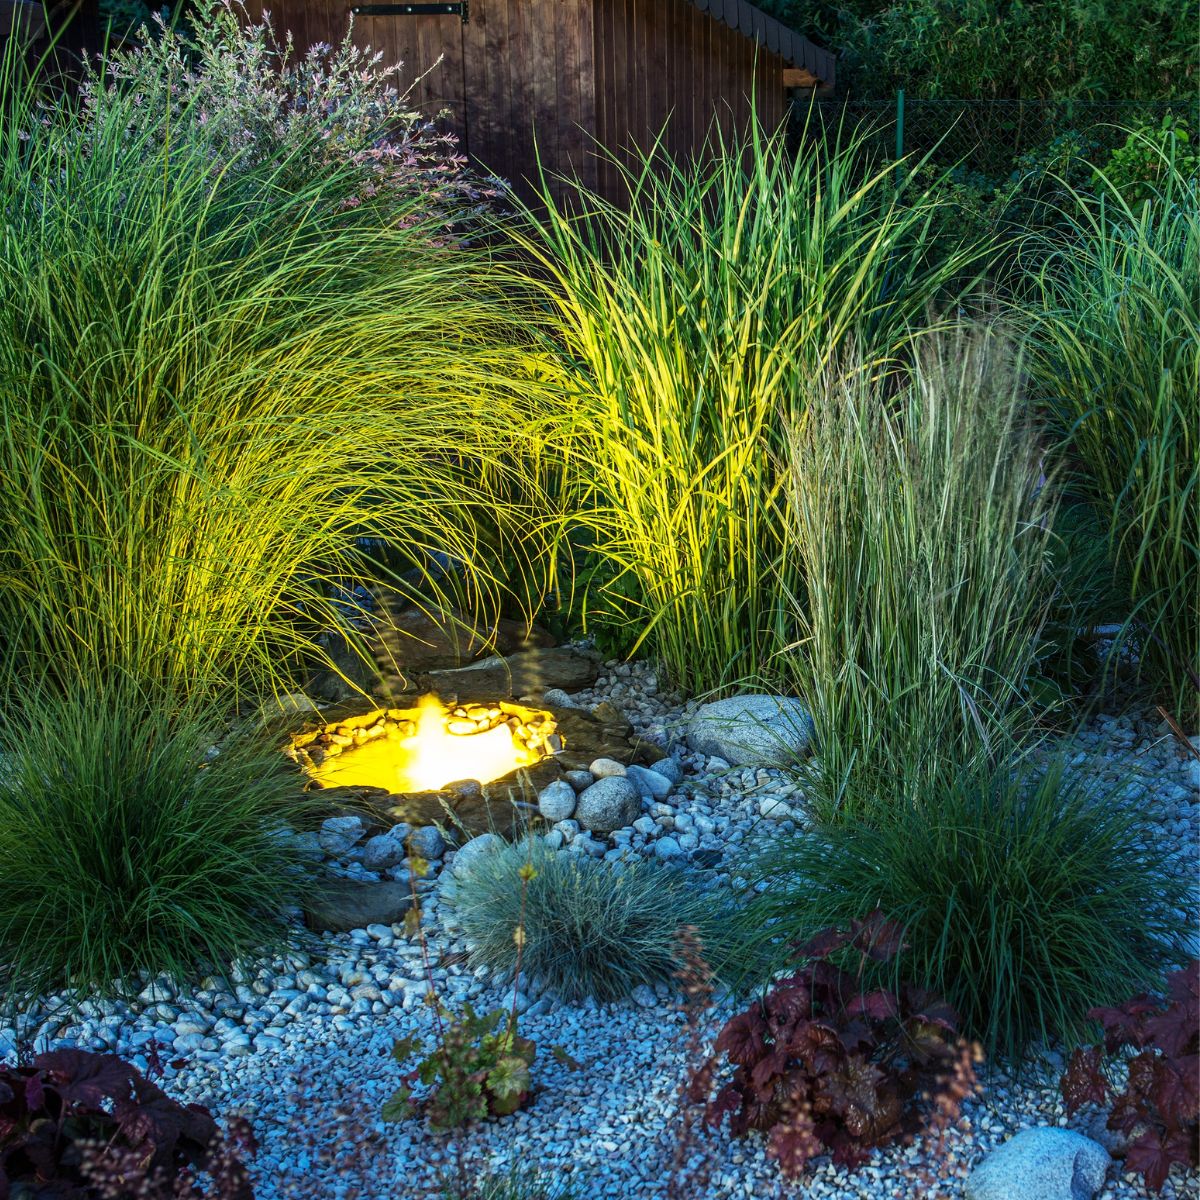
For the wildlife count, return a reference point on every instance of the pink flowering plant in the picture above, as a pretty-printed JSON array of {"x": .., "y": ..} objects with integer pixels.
[{"x": 244, "y": 90}]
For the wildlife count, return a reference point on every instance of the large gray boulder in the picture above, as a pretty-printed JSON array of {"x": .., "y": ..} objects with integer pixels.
[
  {"x": 1041, "y": 1164},
  {"x": 610, "y": 803},
  {"x": 752, "y": 731}
]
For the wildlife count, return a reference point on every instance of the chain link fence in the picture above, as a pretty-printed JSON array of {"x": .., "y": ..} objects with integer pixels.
[{"x": 986, "y": 137}]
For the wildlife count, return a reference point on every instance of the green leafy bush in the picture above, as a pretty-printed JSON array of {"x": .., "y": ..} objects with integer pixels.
[
  {"x": 127, "y": 844},
  {"x": 479, "y": 1067},
  {"x": 986, "y": 49},
  {"x": 1115, "y": 312},
  {"x": 589, "y": 929},
  {"x": 216, "y": 379},
  {"x": 1025, "y": 898},
  {"x": 920, "y": 529},
  {"x": 1138, "y": 169},
  {"x": 689, "y": 328}
]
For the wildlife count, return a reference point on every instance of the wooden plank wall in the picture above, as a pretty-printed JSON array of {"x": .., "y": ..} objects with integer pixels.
[
  {"x": 572, "y": 73},
  {"x": 529, "y": 76},
  {"x": 664, "y": 67}
]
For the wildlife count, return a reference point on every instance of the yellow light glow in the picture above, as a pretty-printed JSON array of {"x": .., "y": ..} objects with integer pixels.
[{"x": 429, "y": 758}]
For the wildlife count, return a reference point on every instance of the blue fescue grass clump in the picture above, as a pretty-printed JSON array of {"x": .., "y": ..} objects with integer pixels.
[{"x": 591, "y": 928}]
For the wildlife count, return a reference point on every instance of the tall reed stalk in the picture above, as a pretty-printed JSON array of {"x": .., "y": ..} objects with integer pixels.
[
  {"x": 691, "y": 325},
  {"x": 213, "y": 384},
  {"x": 1116, "y": 312},
  {"x": 921, "y": 527}
]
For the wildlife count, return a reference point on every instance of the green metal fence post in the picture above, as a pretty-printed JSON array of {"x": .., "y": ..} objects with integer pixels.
[{"x": 899, "y": 124}]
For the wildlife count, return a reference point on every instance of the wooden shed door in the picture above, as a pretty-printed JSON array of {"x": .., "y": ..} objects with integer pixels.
[{"x": 428, "y": 40}]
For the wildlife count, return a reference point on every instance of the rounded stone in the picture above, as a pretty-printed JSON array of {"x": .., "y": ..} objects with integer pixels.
[
  {"x": 385, "y": 849},
  {"x": 649, "y": 783},
  {"x": 752, "y": 730},
  {"x": 607, "y": 768},
  {"x": 610, "y": 803},
  {"x": 468, "y": 856},
  {"x": 1043, "y": 1163},
  {"x": 670, "y": 768},
  {"x": 427, "y": 842},
  {"x": 339, "y": 834},
  {"x": 556, "y": 801},
  {"x": 775, "y": 808}
]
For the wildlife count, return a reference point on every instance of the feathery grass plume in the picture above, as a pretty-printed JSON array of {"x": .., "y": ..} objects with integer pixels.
[
  {"x": 1026, "y": 897},
  {"x": 589, "y": 928},
  {"x": 215, "y": 382},
  {"x": 691, "y": 325},
  {"x": 127, "y": 844},
  {"x": 920, "y": 526},
  {"x": 1116, "y": 319}
]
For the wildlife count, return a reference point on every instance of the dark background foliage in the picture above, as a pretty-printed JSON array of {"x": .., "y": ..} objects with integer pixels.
[{"x": 1005, "y": 49}]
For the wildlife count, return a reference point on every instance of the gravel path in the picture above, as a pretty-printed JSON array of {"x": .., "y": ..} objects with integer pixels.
[{"x": 302, "y": 1045}]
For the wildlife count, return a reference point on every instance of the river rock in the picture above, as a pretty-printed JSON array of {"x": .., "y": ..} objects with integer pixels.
[
  {"x": 557, "y": 801},
  {"x": 339, "y": 834},
  {"x": 610, "y": 803},
  {"x": 752, "y": 731},
  {"x": 386, "y": 849},
  {"x": 343, "y": 904},
  {"x": 468, "y": 856},
  {"x": 427, "y": 842},
  {"x": 648, "y": 782},
  {"x": 1043, "y": 1163},
  {"x": 669, "y": 768}
]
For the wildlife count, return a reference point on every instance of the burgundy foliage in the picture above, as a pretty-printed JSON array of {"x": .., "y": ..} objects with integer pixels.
[
  {"x": 1159, "y": 1106},
  {"x": 82, "y": 1126},
  {"x": 823, "y": 1064}
]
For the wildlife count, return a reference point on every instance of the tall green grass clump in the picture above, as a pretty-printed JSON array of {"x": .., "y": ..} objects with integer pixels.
[
  {"x": 223, "y": 366},
  {"x": 128, "y": 843},
  {"x": 219, "y": 370},
  {"x": 1116, "y": 312},
  {"x": 590, "y": 929},
  {"x": 1026, "y": 898},
  {"x": 921, "y": 527},
  {"x": 691, "y": 325}
]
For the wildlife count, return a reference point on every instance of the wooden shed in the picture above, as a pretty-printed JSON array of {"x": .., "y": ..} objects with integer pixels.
[{"x": 575, "y": 72}]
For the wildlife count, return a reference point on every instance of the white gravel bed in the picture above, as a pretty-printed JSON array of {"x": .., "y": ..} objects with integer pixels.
[{"x": 302, "y": 1044}]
